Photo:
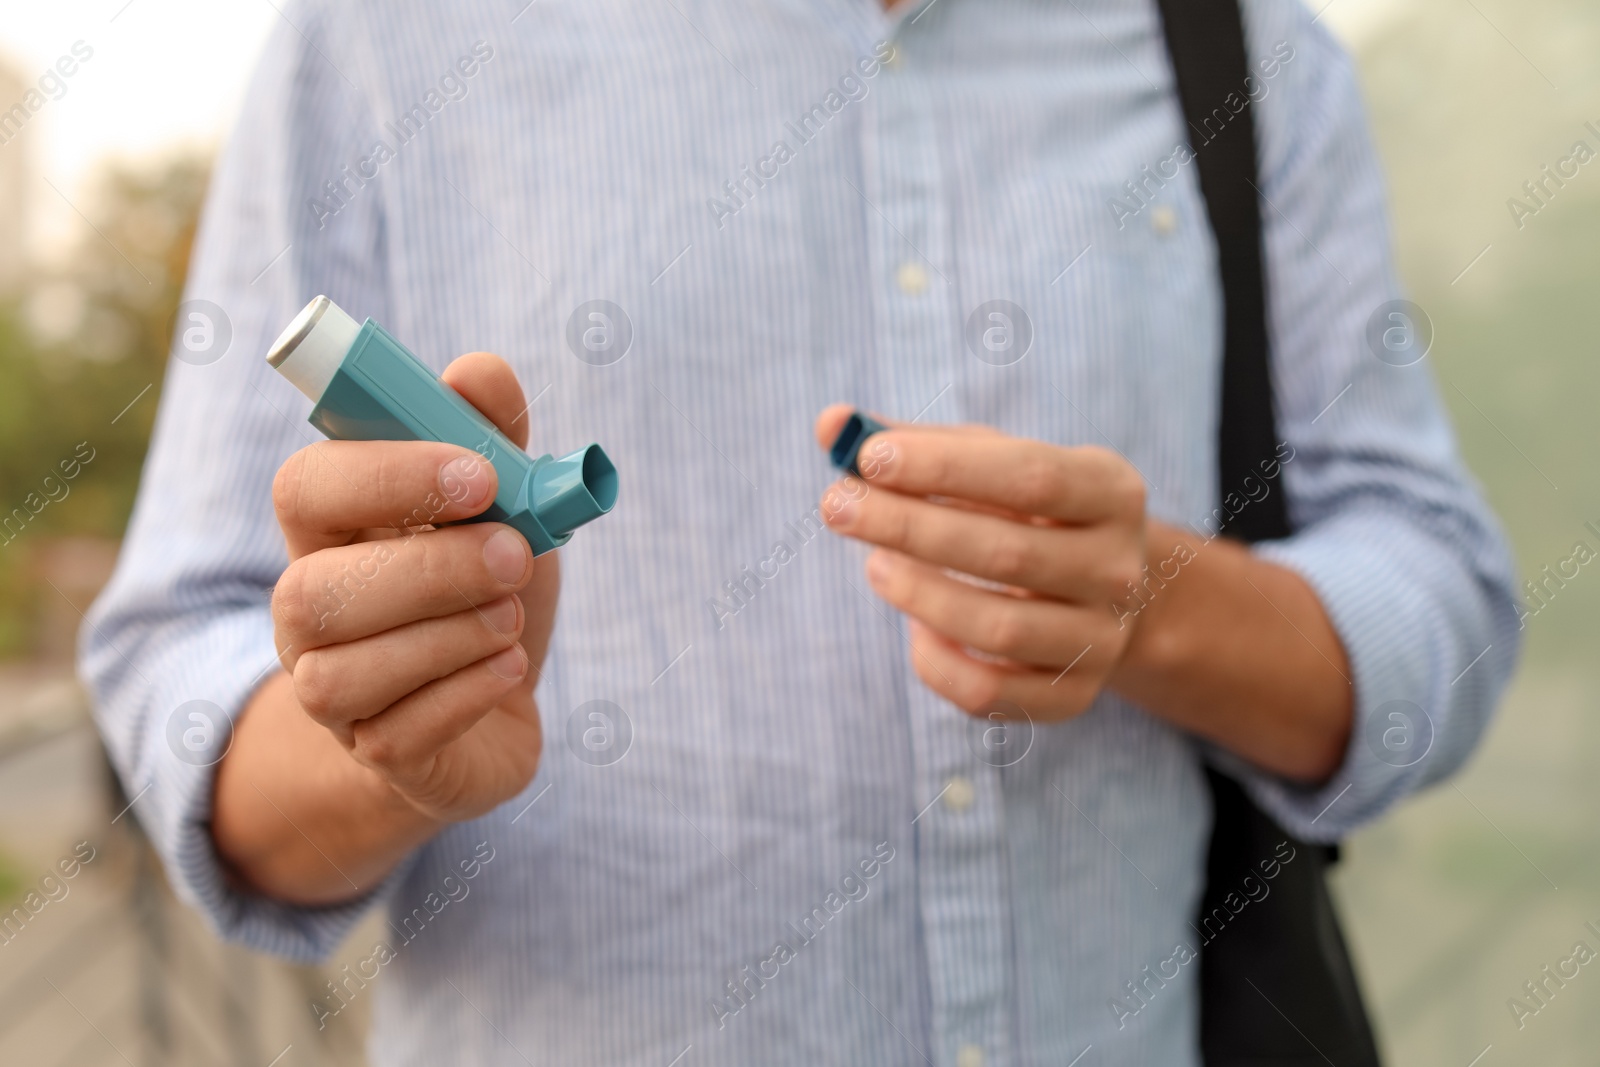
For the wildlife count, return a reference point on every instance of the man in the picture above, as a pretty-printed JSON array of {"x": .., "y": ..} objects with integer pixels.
[{"x": 930, "y": 790}]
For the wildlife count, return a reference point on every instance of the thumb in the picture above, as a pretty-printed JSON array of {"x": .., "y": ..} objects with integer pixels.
[{"x": 487, "y": 382}]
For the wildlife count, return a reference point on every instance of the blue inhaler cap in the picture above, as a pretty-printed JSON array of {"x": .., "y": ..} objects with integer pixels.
[
  {"x": 568, "y": 492},
  {"x": 847, "y": 446}
]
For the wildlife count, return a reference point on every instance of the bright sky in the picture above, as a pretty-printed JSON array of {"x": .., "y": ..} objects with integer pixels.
[
  {"x": 167, "y": 73},
  {"x": 164, "y": 73}
]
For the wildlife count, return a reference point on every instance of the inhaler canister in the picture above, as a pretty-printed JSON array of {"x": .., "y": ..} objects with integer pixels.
[{"x": 366, "y": 386}]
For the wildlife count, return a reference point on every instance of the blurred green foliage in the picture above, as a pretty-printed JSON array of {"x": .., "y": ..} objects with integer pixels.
[
  {"x": 11, "y": 881},
  {"x": 82, "y": 352}
]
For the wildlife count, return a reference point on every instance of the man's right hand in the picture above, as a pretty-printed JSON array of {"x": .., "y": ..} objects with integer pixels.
[{"x": 412, "y": 653}]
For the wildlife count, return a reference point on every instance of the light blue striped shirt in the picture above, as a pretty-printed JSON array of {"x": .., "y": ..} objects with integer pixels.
[{"x": 801, "y": 855}]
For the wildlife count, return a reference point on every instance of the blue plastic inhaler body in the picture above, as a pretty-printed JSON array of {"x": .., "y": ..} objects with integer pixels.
[{"x": 368, "y": 387}]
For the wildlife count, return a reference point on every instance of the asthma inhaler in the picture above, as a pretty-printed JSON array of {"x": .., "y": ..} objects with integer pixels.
[{"x": 367, "y": 387}]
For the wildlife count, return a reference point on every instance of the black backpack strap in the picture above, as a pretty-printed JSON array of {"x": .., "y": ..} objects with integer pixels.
[
  {"x": 1206, "y": 41},
  {"x": 1276, "y": 983}
]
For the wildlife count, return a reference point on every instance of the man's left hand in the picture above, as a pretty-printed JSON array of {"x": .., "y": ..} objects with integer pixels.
[{"x": 1053, "y": 536}]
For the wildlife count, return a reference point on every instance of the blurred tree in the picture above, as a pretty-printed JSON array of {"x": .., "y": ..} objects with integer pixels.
[{"x": 81, "y": 358}]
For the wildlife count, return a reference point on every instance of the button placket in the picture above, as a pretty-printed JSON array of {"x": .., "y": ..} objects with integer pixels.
[
  {"x": 961, "y": 846},
  {"x": 906, "y": 213},
  {"x": 962, "y": 866}
]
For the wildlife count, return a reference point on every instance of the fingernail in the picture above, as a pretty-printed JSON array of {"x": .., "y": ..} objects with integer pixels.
[
  {"x": 877, "y": 567},
  {"x": 465, "y": 481},
  {"x": 839, "y": 508},
  {"x": 501, "y": 615},
  {"x": 510, "y": 664},
  {"x": 506, "y": 556},
  {"x": 874, "y": 456}
]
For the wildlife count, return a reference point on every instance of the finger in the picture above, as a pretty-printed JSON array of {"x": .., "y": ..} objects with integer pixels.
[
  {"x": 339, "y": 684},
  {"x": 1087, "y": 564},
  {"x": 1078, "y": 485},
  {"x": 401, "y": 742},
  {"x": 488, "y": 383},
  {"x": 979, "y": 688},
  {"x": 1040, "y": 633},
  {"x": 539, "y": 599},
  {"x": 354, "y": 591},
  {"x": 325, "y": 493}
]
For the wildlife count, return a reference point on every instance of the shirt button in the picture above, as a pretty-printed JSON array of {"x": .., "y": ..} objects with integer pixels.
[
  {"x": 1164, "y": 219},
  {"x": 894, "y": 62},
  {"x": 958, "y": 796},
  {"x": 969, "y": 1056},
  {"x": 912, "y": 278}
]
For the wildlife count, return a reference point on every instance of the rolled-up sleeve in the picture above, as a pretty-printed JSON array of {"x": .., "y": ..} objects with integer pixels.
[
  {"x": 1390, "y": 530},
  {"x": 182, "y": 636}
]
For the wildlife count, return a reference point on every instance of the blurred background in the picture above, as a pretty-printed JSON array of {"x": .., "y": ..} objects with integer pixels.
[{"x": 1452, "y": 903}]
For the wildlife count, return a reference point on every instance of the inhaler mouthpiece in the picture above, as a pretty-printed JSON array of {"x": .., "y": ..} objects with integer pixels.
[{"x": 573, "y": 490}]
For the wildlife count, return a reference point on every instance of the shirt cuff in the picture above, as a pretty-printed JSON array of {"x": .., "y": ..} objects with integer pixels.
[
  {"x": 225, "y": 659},
  {"x": 1431, "y": 639}
]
